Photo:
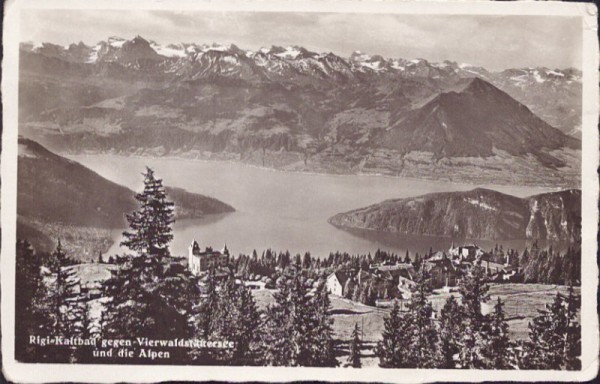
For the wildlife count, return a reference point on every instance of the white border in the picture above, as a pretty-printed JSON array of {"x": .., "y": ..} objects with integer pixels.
[{"x": 21, "y": 372}]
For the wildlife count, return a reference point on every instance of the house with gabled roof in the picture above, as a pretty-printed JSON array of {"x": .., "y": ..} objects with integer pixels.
[
  {"x": 336, "y": 282},
  {"x": 442, "y": 271}
]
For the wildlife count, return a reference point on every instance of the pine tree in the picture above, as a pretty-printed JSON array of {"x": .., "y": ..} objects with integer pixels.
[
  {"x": 287, "y": 324},
  {"x": 208, "y": 310},
  {"x": 298, "y": 327},
  {"x": 450, "y": 333},
  {"x": 497, "y": 352},
  {"x": 321, "y": 344},
  {"x": 151, "y": 224},
  {"x": 32, "y": 310},
  {"x": 66, "y": 304},
  {"x": 355, "y": 346},
  {"x": 88, "y": 331},
  {"x": 474, "y": 291},
  {"x": 555, "y": 336},
  {"x": 150, "y": 297},
  {"x": 356, "y": 293},
  {"x": 545, "y": 349},
  {"x": 421, "y": 333},
  {"x": 349, "y": 288},
  {"x": 391, "y": 350},
  {"x": 238, "y": 321}
]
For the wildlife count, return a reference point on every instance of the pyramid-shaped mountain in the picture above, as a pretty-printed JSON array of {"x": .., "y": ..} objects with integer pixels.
[{"x": 473, "y": 119}]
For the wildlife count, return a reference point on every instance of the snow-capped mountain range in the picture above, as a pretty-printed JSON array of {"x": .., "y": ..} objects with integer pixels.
[
  {"x": 550, "y": 93},
  {"x": 129, "y": 52},
  {"x": 362, "y": 113}
]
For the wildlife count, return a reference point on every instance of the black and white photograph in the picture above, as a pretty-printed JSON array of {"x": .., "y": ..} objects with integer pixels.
[{"x": 336, "y": 187}]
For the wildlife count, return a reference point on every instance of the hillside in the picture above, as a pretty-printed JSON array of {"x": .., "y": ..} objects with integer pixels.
[
  {"x": 473, "y": 122},
  {"x": 55, "y": 193},
  {"x": 475, "y": 214},
  {"x": 293, "y": 109}
]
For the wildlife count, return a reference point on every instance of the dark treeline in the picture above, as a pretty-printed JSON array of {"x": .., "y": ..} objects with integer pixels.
[
  {"x": 536, "y": 265},
  {"x": 270, "y": 262}
]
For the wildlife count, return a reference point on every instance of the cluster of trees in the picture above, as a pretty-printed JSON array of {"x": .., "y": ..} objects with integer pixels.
[
  {"x": 298, "y": 327},
  {"x": 48, "y": 302},
  {"x": 338, "y": 259},
  {"x": 270, "y": 262},
  {"x": 542, "y": 266},
  {"x": 551, "y": 267},
  {"x": 463, "y": 337},
  {"x": 370, "y": 290}
]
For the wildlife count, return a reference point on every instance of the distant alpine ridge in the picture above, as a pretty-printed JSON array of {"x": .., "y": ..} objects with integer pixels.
[
  {"x": 294, "y": 109},
  {"x": 476, "y": 214}
]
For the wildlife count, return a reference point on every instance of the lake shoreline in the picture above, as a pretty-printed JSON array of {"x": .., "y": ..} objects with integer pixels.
[
  {"x": 277, "y": 209},
  {"x": 423, "y": 178}
]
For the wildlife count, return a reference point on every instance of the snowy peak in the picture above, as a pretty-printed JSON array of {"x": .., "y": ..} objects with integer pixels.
[
  {"x": 280, "y": 60},
  {"x": 288, "y": 53},
  {"x": 527, "y": 76},
  {"x": 115, "y": 41}
]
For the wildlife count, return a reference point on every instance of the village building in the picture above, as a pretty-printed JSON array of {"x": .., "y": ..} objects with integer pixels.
[
  {"x": 202, "y": 260},
  {"x": 465, "y": 252},
  {"x": 336, "y": 282},
  {"x": 443, "y": 273},
  {"x": 492, "y": 268}
]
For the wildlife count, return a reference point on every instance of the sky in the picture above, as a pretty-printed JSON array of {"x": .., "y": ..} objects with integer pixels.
[{"x": 494, "y": 42}]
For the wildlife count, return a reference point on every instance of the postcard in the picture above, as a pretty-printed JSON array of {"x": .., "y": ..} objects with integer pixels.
[{"x": 309, "y": 190}]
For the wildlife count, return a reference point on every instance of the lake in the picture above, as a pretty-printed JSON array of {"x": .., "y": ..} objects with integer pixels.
[{"x": 282, "y": 210}]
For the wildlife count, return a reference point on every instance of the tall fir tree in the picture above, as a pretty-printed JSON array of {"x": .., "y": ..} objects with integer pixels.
[
  {"x": 555, "y": 336},
  {"x": 298, "y": 327},
  {"x": 421, "y": 332},
  {"x": 391, "y": 350},
  {"x": 355, "y": 346},
  {"x": 545, "y": 349},
  {"x": 207, "y": 312},
  {"x": 497, "y": 352},
  {"x": 33, "y": 314},
  {"x": 450, "y": 332},
  {"x": 67, "y": 305},
  {"x": 150, "y": 225},
  {"x": 322, "y": 344},
  {"x": 238, "y": 321},
  {"x": 474, "y": 290},
  {"x": 287, "y": 321},
  {"x": 150, "y": 296},
  {"x": 573, "y": 336}
]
